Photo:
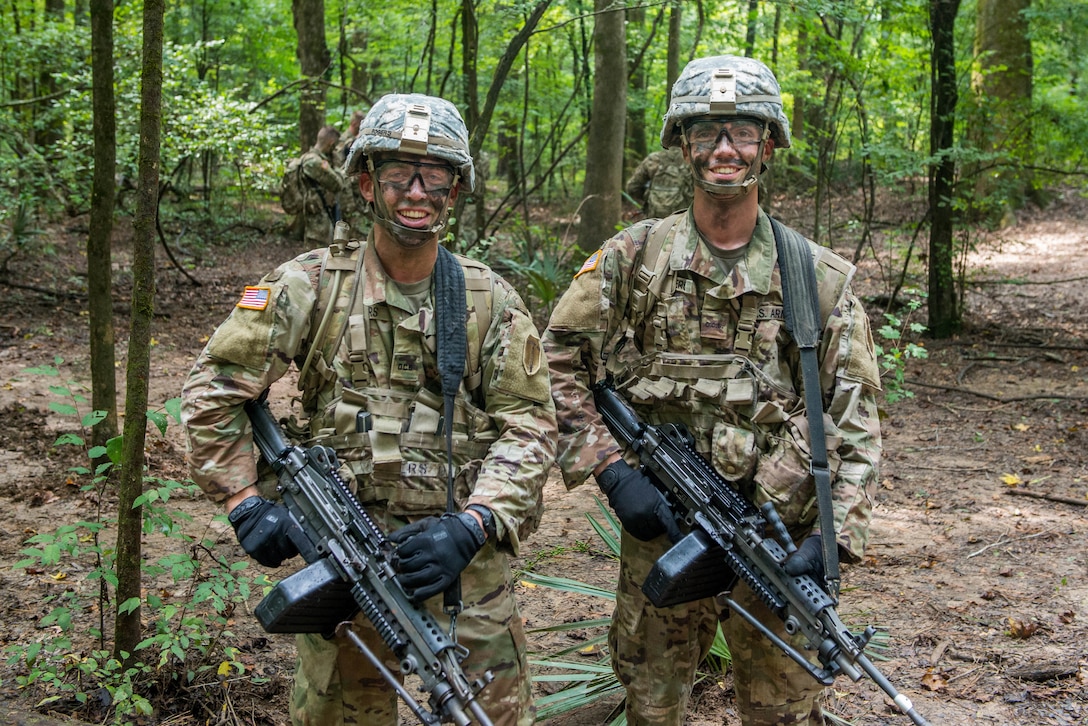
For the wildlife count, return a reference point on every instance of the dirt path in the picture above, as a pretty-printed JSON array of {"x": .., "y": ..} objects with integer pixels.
[{"x": 982, "y": 588}]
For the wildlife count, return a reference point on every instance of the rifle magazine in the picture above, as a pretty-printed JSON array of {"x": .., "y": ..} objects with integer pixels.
[
  {"x": 694, "y": 568},
  {"x": 313, "y": 600}
]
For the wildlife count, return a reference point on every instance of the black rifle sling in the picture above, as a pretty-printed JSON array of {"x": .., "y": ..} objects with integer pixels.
[
  {"x": 450, "y": 316},
  {"x": 802, "y": 310}
]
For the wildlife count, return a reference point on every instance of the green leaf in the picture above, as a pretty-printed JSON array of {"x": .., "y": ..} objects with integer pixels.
[
  {"x": 159, "y": 420},
  {"x": 93, "y": 418},
  {"x": 64, "y": 409},
  {"x": 128, "y": 606},
  {"x": 114, "y": 449},
  {"x": 173, "y": 408}
]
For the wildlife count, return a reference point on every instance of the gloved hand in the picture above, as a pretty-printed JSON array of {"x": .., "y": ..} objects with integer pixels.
[
  {"x": 432, "y": 552},
  {"x": 638, "y": 504},
  {"x": 808, "y": 559},
  {"x": 265, "y": 530}
]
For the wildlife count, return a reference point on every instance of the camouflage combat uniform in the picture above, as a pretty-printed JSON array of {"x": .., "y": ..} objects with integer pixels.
[
  {"x": 324, "y": 187},
  {"x": 689, "y": 343},
  {"x": 662, "y": 183},
  {"x": 385, "y": 365}
]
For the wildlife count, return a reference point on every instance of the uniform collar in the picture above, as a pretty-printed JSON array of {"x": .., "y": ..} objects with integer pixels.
[{"x": 751, "y": 274}]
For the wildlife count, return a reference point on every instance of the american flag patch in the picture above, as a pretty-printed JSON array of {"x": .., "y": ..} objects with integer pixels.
[
  {"x": 255, "y": 298},
  {"x": 590, "y": 264}
]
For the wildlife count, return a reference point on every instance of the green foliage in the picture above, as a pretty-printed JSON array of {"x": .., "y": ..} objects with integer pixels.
[
  {"x": 896, "y": 350},
  {"x": 543, "y": 269},
  {"x": 187, "y": 613}
]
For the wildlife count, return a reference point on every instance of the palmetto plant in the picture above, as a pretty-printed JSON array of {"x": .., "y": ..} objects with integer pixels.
[{"x": 590, "y": 682}]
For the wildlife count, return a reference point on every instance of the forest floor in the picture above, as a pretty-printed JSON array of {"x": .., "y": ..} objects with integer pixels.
[{"x": 978, "y": 557}]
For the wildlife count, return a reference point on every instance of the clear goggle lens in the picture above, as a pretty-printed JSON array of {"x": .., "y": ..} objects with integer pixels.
[
  {"x": 706, "y": 134},
  {"x": 401, "y": 174}
]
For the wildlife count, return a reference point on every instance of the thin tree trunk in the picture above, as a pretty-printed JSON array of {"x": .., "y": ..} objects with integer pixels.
[
  {"x": 314, "y": 60},
  {"x": 750, "y": 35},
  {"x": 103, "y": 188},
  {"x": 672, "y": 64},
  {"x": 127, "y": 624},
  {"x": 944, "y": 314},
  {"x": 601, "y": 203}
]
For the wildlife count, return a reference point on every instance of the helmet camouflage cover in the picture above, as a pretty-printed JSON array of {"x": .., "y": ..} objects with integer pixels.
[
  {"x": 417, "y": 124},
  {"x": 726, "y": 85}
]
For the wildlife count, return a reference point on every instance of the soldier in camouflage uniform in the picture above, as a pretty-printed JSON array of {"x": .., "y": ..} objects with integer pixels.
[
  {"x": 662, "y": 183},
  {"x": 352, "y": 206},
  {"x": 358, "y": 319},
  {"x": 322, "y": 186},
  {"x": 687, "y": 315}
]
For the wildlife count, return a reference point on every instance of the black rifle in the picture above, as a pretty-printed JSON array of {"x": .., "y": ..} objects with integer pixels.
[
  {"x": 727, "y": 529},
  {"x": 349, "y": 571}
]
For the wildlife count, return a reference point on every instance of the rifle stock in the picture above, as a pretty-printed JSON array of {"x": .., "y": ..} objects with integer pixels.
[
  {"x": 350, "y": 570},
  {"x": 727, "y": 529}
]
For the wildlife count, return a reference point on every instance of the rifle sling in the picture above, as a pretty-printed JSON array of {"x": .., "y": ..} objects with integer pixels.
[
  {"x": 802, "y": 307},
  {"x": 450, "y": 316}
]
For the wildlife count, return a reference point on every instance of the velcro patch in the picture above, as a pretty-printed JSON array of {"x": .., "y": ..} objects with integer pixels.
[
  {"x": 255, "y": 298},
  {"x": 590, "y": 264}
]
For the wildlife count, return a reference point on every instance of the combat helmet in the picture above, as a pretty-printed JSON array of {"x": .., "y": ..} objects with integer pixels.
[
  {"x": 727, "y": 85},
  {"x": 416, "y": 124}
]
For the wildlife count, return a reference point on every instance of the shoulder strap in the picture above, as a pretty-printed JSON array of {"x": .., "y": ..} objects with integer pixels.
[
  {"x": 650, "y": 278},
  {"x": 802, "y": 309},
  {"x": 340, "y": 262}
]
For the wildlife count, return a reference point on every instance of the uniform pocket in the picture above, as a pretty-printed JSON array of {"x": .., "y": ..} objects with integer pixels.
[
  {"x": 782, "y": 473},
  {"x": 734, "y": 452}
]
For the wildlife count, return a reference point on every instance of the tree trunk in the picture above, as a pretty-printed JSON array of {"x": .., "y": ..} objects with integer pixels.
[
  {"x": 944, "y": 313},
  {"x": 636, "y": 110},
  {"x": 103, "y": 185},
  {"x": 1002, "y": 85},
  {"x": 601, "y": 204},
  {"x": 750, "y": 35},
  {"x": 127, "y": 630},
  {"x": 672, "y": 64},
  {"x": 314, "y": 61}
]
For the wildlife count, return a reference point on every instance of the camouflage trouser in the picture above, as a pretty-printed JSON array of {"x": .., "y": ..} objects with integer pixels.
[
  {"x": 336, "y": 686},
  {"x": 655, "y": 652}
]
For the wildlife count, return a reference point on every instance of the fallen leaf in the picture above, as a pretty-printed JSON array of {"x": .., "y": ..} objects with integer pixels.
[
  {"x": 934, "y": 681},
  {"x": 1011, "y": 480},
  {"x": 1021, "y": 427},
  {"x": 1021, "y": 630},
  {"x": 1067, "y": 617}
]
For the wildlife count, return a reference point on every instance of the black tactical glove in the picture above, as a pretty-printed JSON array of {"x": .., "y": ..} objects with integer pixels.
[
  {"x": 638, "y": 504},
  {"x": 808, "y": 559},
  {"x": 265, "y": 530},
  {"x": 432, "y": 552}
]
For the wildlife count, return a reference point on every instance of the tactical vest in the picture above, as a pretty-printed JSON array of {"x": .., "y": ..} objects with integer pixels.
[
  {"x": 377, "y": 408},
  {"x": 742, "y": 403}
]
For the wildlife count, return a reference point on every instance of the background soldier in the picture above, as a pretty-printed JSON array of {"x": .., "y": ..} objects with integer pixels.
[
  {"x": 661, "y": 184},
  {"x": 322, "y": 185},
  {"x": 687, "y": 315},
  {"x": 371, "y": 390},
  {"x": 352, "y": 206}
]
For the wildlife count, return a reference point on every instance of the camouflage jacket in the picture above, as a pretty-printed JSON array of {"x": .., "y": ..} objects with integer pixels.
[
  {"x": 383, "y": 371},
  {"x": 689, "y": 344}
]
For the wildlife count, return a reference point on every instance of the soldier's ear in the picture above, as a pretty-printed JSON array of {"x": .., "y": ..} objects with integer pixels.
[{"x": 366, "y": 186}]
